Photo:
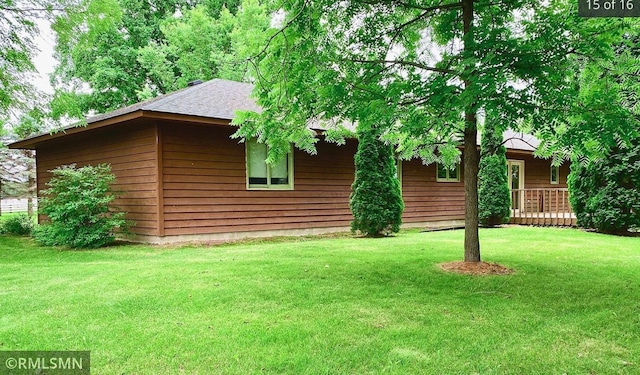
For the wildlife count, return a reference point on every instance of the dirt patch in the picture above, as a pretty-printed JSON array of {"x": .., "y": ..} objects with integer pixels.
[{"x": 476, "y": 268}]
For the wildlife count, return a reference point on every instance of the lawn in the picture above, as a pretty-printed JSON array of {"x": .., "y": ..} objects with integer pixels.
[{"x": 332, "y": 305}]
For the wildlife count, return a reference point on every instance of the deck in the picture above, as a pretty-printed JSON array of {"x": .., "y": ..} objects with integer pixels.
[{"x": 547, "y": 207}]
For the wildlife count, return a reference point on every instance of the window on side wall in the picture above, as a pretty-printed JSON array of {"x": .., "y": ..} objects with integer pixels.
[
  {"x": 260, "y": 175},
  {"x": 445, "y": 174},
  {"x": 555, "y": 174}
]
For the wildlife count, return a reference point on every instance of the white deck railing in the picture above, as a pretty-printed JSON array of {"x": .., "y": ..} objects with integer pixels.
[{"x": 541, "y": 207}]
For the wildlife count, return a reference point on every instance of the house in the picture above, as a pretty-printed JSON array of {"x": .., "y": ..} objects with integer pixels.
[{"x": 185, "y": 179}]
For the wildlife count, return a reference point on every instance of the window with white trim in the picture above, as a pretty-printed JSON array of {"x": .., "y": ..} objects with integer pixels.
[
  {"x": 555, "y": 174},
  {"x": 444, "y": 174},
  {"x": 261, "y": 175}
]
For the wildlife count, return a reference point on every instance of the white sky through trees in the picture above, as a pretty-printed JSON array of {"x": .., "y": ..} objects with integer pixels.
[{"x": 44, "y": 61}]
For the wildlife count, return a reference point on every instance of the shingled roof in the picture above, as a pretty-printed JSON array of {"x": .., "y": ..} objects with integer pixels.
[
  {"x": 218, "y": 98},
  {"x": 215, "y": 99}
]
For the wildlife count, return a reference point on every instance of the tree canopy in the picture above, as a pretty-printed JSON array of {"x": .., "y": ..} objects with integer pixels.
[
  {"x": 119, "y": 52},
  {"x": 428, "y": 69},
  {"x": 18, "y": 30}
]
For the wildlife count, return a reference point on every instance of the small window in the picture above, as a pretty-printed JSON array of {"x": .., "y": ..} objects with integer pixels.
[
  {"x": 261, "y": 175},
  {"x": 445, "y": 174},
  {"x": 555, "y": 174}
]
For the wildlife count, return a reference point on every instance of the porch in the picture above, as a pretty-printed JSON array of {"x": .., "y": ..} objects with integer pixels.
[{"x": 547, "y": 207}]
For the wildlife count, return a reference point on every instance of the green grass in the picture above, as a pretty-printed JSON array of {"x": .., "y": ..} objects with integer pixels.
[{"x": 332, "y": 306}]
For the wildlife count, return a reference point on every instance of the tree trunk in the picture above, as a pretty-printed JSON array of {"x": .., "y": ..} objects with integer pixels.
[
  {"x": 471, "y": 158},
  {"x": 471, "y": 166}
]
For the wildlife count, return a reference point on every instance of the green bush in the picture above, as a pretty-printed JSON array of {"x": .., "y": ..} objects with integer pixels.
[
  {"x": 605, "y": 194},
  {"x": 376, "y": 198},
  {"x": 494, "y": 198},
  {"x": 17, "y": 225},
  {"x": 77, "y": 204}
]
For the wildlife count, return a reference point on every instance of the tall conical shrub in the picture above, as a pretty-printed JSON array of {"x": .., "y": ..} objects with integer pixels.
[
  {"x": 494, "y": 198},
  {"x": 376, "y": 197}
]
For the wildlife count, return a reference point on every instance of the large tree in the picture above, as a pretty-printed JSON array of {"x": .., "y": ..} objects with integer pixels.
[
  {"x": 22, "y": 104},
  {"x": 606, "y": 102},
  {"x": 605, "y": 190},
  {"x": 430, "y": 66},
  {"x": 97, "y": 50},
  {"x": 18, "y": 32},
  {"x": 119, "y": 52},
  {"x": 200, "y": 46}
]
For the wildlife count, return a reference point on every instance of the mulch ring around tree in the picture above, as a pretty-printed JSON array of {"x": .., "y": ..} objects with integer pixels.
[{"x": 476, "y": 268}]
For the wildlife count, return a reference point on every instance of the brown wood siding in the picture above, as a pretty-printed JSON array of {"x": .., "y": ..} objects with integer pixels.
[
  {"x": 203, "y": 181},
  {"x": 425, "y": 199},
  {"x": 131, "y": 151},
  {"x": 537, "y": 172},
  {"x": 205, "y": 192},
  {"x": 537, "y": 175}
]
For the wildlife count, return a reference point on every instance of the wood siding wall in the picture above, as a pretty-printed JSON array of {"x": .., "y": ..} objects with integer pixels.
[
  {"x": 131, "y": 151},
  {"x": 425, "y": 199},
  {"x": 204, "y": 182},
  {"x": 537, "y": 172}
]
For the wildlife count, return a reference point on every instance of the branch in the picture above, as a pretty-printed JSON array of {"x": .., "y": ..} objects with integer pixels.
[
  {"x": 280, "y": 31},
  {"x": 29, "y": 10},
  {"x": 353, "y": 85},
  {"x": 426, "y": 12},
  {"x": 414, "y": 6},
  {"x": 520, "y": 139},
  {"x": 402, "y": 62},
  {"x": 370, "y": 77}
]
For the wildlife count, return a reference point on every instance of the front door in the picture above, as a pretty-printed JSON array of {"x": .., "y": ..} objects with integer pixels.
[{"x": 516, "y": 182}]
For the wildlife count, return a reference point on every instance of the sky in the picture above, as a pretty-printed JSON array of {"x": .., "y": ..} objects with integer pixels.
[{"x": 44, "y": 61}]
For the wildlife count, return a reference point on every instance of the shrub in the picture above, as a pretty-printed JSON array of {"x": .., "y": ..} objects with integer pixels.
[
  {"x": 494, "y": 198},
  {"x": 376, "y": 198},
  {"x": 605, "y": 193},
  {"x": 77, "y": 204},
  {"x": 17, "y": 225}
]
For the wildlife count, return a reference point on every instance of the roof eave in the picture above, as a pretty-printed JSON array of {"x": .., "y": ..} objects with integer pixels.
[
  {"x": 32, "y": 142},
  {"x": 156, "y": 115}
]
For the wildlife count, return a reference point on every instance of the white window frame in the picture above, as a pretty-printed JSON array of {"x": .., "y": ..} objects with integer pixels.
[
  {"x": 268, "y": 185},
  {"x": 520, "y": 201},
  {"x": 449, "y": 178},
  {"x": 557, "y": 181}
]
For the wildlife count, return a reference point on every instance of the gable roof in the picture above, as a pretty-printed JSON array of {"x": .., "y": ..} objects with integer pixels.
[
  {"x": 519, "y": 141},
  {"x": 217, "y": 99}
]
